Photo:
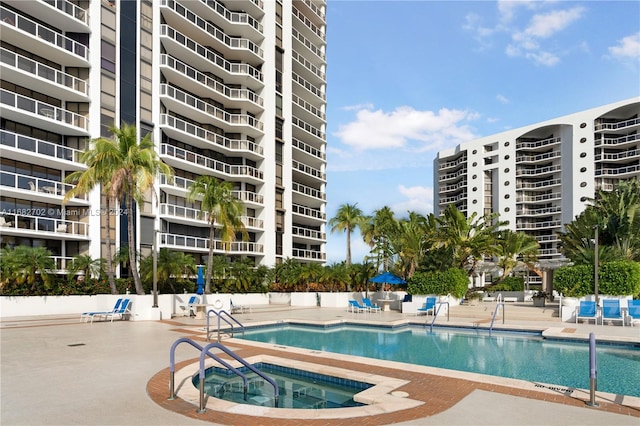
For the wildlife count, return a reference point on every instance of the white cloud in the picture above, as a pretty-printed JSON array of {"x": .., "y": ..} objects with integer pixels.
[
  {"x": 357, "y": 107},
  {"x": 545, "y": 26},
  {"x": 406, "y": 128},
  {"x": 627, "y": 47},
  {"x": 418, "y": 199},
  {"x": 502, "y": 99}
]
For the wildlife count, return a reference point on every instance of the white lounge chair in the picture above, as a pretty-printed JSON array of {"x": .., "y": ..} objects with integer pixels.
[{"x": 188, "y": 308}]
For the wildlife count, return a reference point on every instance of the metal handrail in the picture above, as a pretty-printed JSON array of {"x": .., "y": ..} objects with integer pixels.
[
  {"x": 219, "y": 315},
  {"x": 172, "y": 366},
  {"x": 435, "y": 315},
  {"x": 205, "y": 351},
  {"x": 499, "y": 304}
]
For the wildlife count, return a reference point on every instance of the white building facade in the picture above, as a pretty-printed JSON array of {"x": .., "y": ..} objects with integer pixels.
[
  {"x": 232, "y": 89},
  {"x": 538, "y": 177}
]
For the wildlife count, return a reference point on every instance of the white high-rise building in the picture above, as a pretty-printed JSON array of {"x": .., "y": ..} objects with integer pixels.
[
  {"x": 233, "y": 89},
  {"x": 538, "y": 177}
]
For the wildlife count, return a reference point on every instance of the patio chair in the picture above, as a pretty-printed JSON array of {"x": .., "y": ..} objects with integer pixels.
[
  {"x": 611, "y": 311},
  {"x": 123, "y": 312},
  {"x": 238, "y": 309},
  {"x": 366, "y": 302},
  {"x": 355, "y": 307},
  {"x": 587, "y": 310},
  {"x": 188, "y": 309},
  {"x": 633, "y": 311},
  {"x": 429, "y": 305},
  {"x": 85, "y": 316}
]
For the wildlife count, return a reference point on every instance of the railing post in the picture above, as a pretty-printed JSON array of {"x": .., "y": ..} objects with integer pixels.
[{"x": 593, "y": 371}]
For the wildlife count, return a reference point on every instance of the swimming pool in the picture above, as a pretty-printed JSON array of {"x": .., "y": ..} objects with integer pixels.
[{"x": 525, "y": 356}]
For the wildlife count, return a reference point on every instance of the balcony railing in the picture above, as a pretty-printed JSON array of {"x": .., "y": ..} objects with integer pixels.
[
  {"x": 537, "y": 171},
  {"x": 618, "y": 156},
  {"x": 537, "y": 212},
  {"x": 296, "y": 143},
  {"x": 210, "y": 109},
  {"x": 306, "y": 211},
  {"x": 610, "y": 171},
  {"x": 618, "y": 141},
  {"x": 232, "y": 42},
  {"x": 308, "y": 128},
  {"x": 312, "y": 47},
  {"x": 200, "y": 243},
  {"x": 538, "y": 225},
  {"x": 8, "y": 17},
  {"x": 617, "y": 125},
  {"x": 310, "y": 87},
  {"x": 296, "y": 165},
  {"x": 70, "y": 9},
  {"x": 234, "y": 17},
  {"x": 199, "y": 132},
  {"x": 194, "y": 74},
  {"x": 35, "y": 68},
  {"x": 31, "y": 183},
  {"x": 537, "y": 144},
  {"x": 209, "y": 55},
  {"x": 39, "y": 147},
  {"x": 454, "y": 175},
  {"x": 201, "y": 160},
  {"x": 538, "y": 198},
  {"x": 535, "y": 185},
  {"x": 28, "y": 223},
  {"x": 308, "y": 65},
  {"x": 42, "y": 109},
  {"x": 307, "y": 22},
  {"x": 540, "y": 157},
  {"x": 453, "y": 163},
  {"x": 308, "y": 107},
  {"x": 248, "y": 196},
  {"x": 314, "y": 8},
  {"x": 308, "y": 254},
  {"x": 307, "y": 233},
  {"x": 308, "y": 191}
]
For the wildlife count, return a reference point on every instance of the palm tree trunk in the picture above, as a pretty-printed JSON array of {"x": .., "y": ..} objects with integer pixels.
[
  {"x": 110, "y": 274},
  {"x": 348, "y": 247},
  {"x": 207, "y": 280},
  {"x": 133, "y": 264}
]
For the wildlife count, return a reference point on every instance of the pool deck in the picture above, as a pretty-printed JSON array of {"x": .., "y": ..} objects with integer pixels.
[{"x": 58, "y": 371}]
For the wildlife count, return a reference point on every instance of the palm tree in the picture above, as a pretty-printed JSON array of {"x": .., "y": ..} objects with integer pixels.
[
  {"x": 514, "y": 249},
  {"x": 89, "y": 266},
  {"x": 29, "y": 263},
  {"x": 377, "y": 232},
  {"x": 411, "y": 242},
  {"x": 220, "y": 207},
  {"x": 127, "y": 169},
  {"x": 171, "y": 267},
  {"x": 347, "y": 218}
]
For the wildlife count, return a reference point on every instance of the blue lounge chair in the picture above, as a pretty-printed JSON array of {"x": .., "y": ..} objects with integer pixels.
[
  {"x": 611, "y": 311},
  {"x": 633, "y": 311},
  {"x": 587, "y": 310},
  {"x": 354, "y": 307},
  {"x": 85, "y": 316},
  {"x": 122, "y": 313},
  {"x": 370, "y": 306},
  {"x": 429, "y": 305}
]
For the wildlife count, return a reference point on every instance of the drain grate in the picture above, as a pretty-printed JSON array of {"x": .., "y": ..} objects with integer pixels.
[{"x": 75, "y": 344}]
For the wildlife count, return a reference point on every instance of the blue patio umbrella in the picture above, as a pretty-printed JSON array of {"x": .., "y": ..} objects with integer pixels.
[
  {"x": 200, "y": 280},
  {"x": 387, "y": 278}
]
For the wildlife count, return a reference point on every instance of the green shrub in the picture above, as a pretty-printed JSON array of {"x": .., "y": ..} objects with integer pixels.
[
  {"x": 453, "y": 281},
  {"x": 619, "y": 278},
  {"x": 509, "y": 284},
  {"x": 574, "y": 281}
]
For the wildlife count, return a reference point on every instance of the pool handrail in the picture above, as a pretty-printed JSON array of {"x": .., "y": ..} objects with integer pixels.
[
  {"x": 435, "y": 315},
  {"x": 205, "y": 351},
  {"x": 499, "y": 304},
  {"x": 219, "y": 315},
  {"x": 172, "y": 365}
]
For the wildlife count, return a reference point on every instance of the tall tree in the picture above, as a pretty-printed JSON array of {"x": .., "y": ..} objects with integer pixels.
[
  {"x": 347, "y": 218},
  {"x": 220, "y": 208},
  {"x": 127, "y": 167},
  {"x": 377, "y": 231},
  {"x": 411, "y": 242},
  {"x": 514, "y": 249}
]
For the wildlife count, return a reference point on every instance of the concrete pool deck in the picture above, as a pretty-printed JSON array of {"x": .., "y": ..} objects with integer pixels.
[{"x": 56, "y": 370}]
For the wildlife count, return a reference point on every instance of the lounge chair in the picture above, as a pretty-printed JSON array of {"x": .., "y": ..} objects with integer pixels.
[
  {"x": 188, "y": 308},
  {"x": 633, "y": 311},
  {"x": 355, "y": 307},
  {"x": 370, "y": 306},
  {"x": 611, "y": 311},
  {"x": 85, "y": 316},
  {"x": 587, "y": 310},
  {"x": 238, "y": 309},
  {"x": 429, "y": 305},
  {"x": 121, "y": 313}
]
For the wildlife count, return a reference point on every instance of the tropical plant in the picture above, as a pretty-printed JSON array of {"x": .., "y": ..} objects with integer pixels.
[
  {"x": 411, "y": 242},
  {"x": 219, "y": 207},
  {"x": 172, "y": 267},
  {"x": 377, "y": 231},
  {"x": 515, "y": 249},
  {"x": 347, "y": 219},
  {"x": 453, "y": 281},
  {"x": 127, "y": 168},
  {"x": 90, "y": 267},
  {"x": 31, "y": 265}
]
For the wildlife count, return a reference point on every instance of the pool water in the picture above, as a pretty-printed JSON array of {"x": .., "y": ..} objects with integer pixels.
[
  {"x": 525, "y": 356},
  {"x": 297, "y": 388}
]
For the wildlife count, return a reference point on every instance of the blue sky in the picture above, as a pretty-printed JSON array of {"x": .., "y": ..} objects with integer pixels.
[{"x": 406, "y": 79}]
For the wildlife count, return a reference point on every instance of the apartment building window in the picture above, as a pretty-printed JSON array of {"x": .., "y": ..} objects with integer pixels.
[
  {"x": 108, "y": 56},
  {"x": 279, "y": 128},
  {"x": 279, "y": 105},
  {"x": 279, "y": 199},
  {"x": 279, "y": 68}
]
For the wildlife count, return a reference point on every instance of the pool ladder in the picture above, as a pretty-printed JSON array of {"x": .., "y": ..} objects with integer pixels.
[
  {"x": 204, "y": 352},
  {"x": 226, "y": 317},
  {"x": 499, "y": 305},
  {"x": 436, "y": 312}
]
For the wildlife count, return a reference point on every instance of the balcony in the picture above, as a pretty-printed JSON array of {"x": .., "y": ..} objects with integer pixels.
[
  {"x": 232, "y": 22},
  {"x": 249, "y": 197},
  {"x": 308, "y": 254},
  {"x": 236, "y": 47},
  {"x": 619, "y": 142},
  {"x": 187, "y": 50},
  {"x": 308, "y": 128},
  {"x": 197, "y": 136},
  {"x": 312, "y": 112},
  {"x": 309, "y": 87},
  {"x": 61, "y": 14},
  {"x": 298, "y": 231},
  {"x": 42, "y": 41},
  {"x": 450, "y": 176},
  {"x": 522, "y": 226},
  {"x": 545, "y": 211},
  {"x": 319, "y": 13},
  {"x": 186, "y": 215},
  {"x": 311, "y": 47},
  {"x": 193, "y": 80},
  {"x": 619, "y": 172},
  {"x": 308, "y": 195},
  {"x": 307, "y": 170},
  {"x": 26, "y": 72},
  {"x": 453, "y": 163},
  {"x": 619, "y": 156},
  {"x": 522, "y": 144},
  {"x": 455, "y": 187},
  {"x": 37, "y": 189},
  {"x": 537, "y": 158},
  {"x": 200, "y": 244},
  {"x": 176, "y": 185},
  {"x": 537, "y": 171},
  {"x": 308, "y": 149},
  {"x": 538, "y": 185},
  {"x": 308, "y": 212},
  {"x": 25, "y": 148},
  {"x": 205, "y": 165},
  {"x": 204, "y": 112},
  {"x": 309, "y": 28},
  {"x": 613, "y": 126},
  {"x": 42, "y": 227},
  {"x": 39, "y": 114},
  {"x": 539, "y": 198}
]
